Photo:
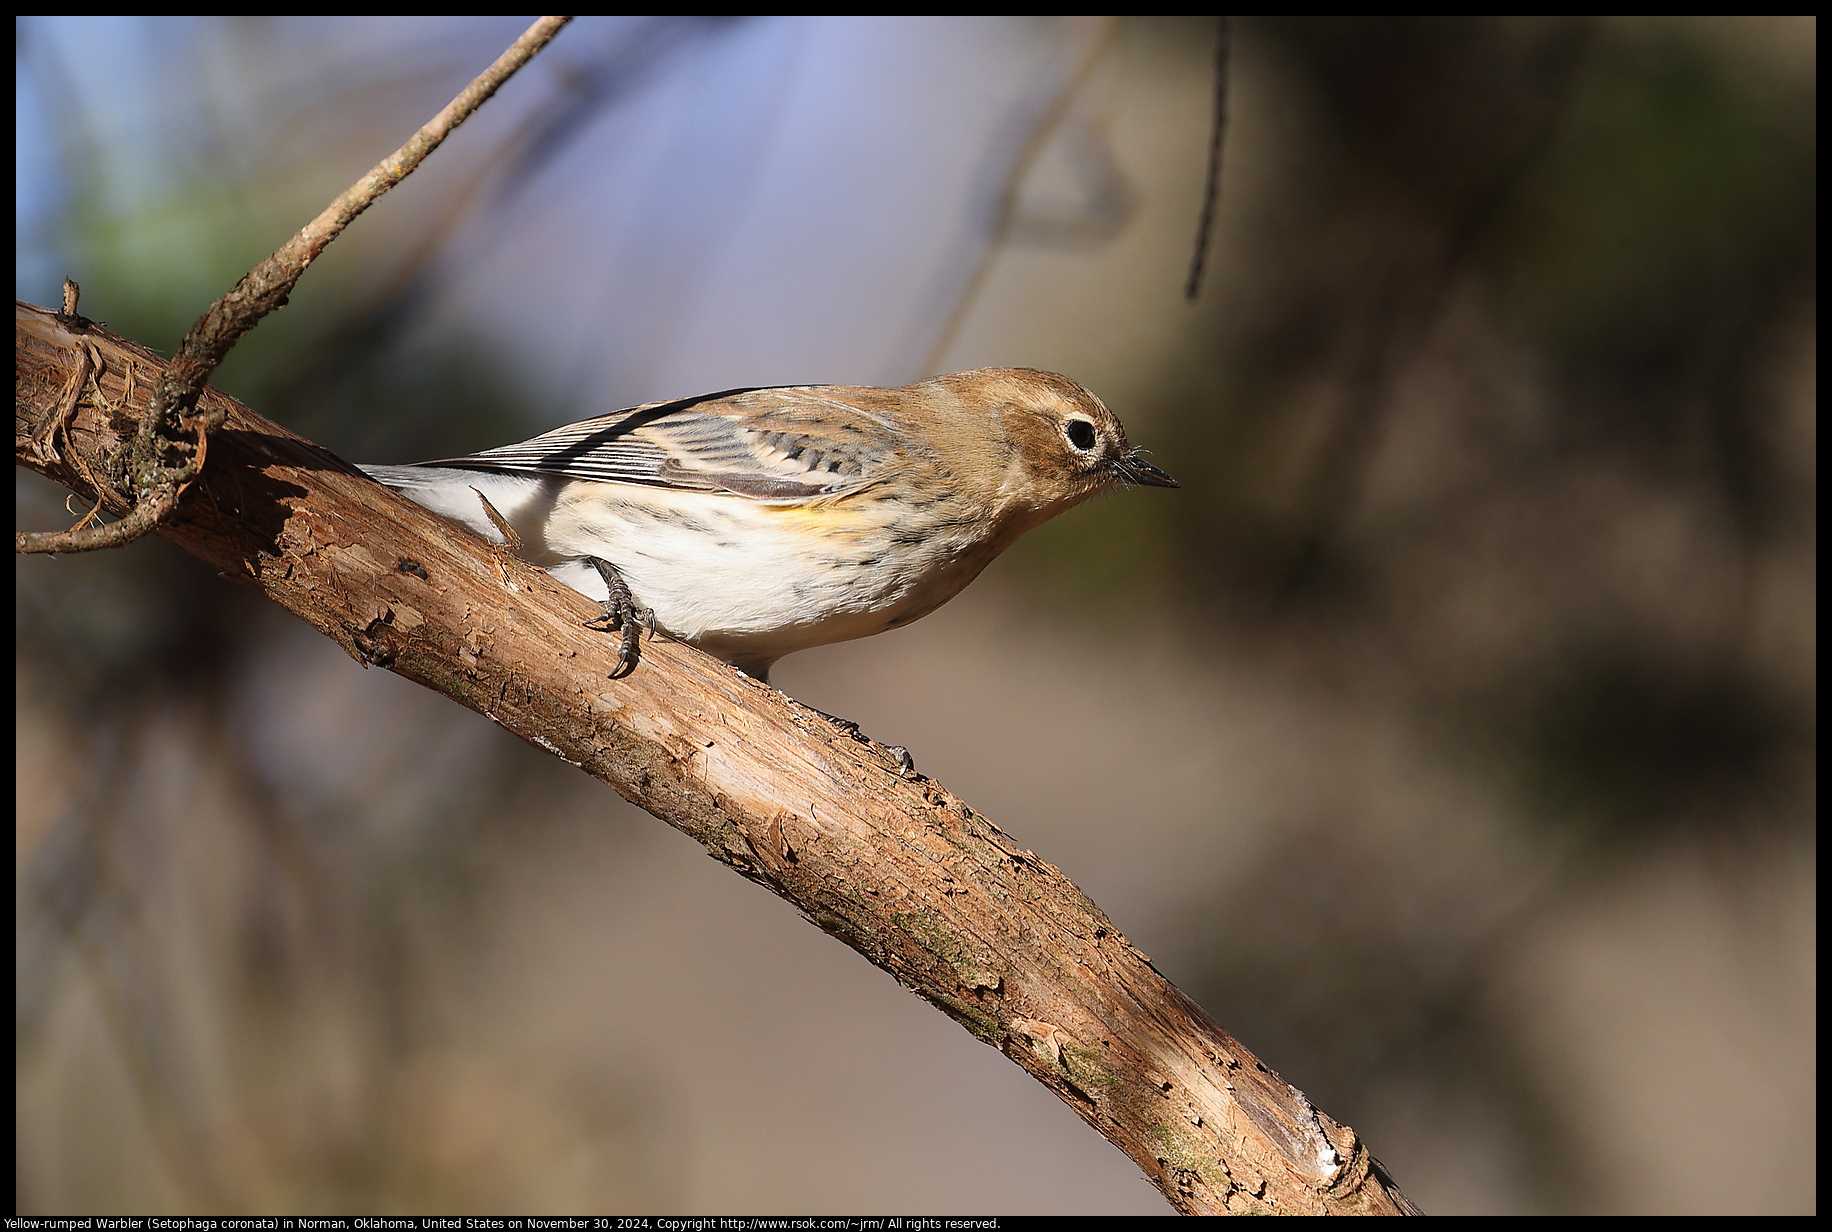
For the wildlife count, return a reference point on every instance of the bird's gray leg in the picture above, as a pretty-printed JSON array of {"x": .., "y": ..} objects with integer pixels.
[{"x": 622, "y": 613}]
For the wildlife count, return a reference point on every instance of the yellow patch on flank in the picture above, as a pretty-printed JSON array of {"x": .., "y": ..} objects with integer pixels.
[{"x": 824, "y": 518}]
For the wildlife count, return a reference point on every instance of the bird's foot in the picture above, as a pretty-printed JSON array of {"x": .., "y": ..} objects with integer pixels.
[
  {"x": 622, "y": 613},
  {"x": 906, "y": 765}
]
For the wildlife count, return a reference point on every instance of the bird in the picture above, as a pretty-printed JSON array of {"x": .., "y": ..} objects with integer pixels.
[{"x": 756, "y": 522}]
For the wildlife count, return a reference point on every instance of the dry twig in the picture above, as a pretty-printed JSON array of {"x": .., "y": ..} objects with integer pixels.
[{"x": 155, "y": 486}]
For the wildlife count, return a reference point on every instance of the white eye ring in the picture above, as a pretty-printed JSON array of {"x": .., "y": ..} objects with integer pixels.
[{"x": 1081, "y": 434}]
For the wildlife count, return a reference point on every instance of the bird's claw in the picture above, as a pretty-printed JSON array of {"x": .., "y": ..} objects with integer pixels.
[
  {"x": 622, "y": 613},
  {"x": 906, "y": 765}
]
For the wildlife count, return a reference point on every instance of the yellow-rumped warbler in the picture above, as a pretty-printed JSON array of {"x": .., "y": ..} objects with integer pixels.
[{"x": 757, "y": 522}]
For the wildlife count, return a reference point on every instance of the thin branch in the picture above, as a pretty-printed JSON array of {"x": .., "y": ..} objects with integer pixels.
[
  {"x": 900, "y": 869},
  {"x": 1211, "y": 188},
  {"x": 263, "y": 290}
]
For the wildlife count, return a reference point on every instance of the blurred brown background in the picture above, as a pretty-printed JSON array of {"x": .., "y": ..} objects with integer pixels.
[{"x": 1449, "y": 735}]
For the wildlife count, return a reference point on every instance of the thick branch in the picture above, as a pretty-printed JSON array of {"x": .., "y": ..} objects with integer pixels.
[{"x": 899, "y": 869}]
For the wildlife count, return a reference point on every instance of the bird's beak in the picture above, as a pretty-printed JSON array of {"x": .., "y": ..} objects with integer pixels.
[{"x": 1134, "y": 469}]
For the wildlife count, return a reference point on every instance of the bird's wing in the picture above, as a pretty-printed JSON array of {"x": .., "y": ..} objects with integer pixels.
[{"x": 783, "y": 444}]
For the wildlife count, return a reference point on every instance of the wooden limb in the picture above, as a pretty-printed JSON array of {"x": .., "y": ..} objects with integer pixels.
[{"x": 900, "y": 869}]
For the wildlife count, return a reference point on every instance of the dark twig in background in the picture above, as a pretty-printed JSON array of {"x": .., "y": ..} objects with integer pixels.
[{"x": 1211, "y": 188}]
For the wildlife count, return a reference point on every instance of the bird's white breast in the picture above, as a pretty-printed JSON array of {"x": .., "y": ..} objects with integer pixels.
[{"x": 755, "y": 581}]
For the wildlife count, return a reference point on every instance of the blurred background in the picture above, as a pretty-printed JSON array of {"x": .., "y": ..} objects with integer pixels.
[{"x": 1449, "y": 736}]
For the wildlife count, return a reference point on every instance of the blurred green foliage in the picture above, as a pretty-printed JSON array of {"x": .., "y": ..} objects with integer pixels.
[
  {"x": 1672, "y": 214},
  {"x": 1620, "y": 746}
]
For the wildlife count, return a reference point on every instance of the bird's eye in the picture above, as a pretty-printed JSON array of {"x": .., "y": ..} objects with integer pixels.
[{"x": 1080, "y": 433}]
